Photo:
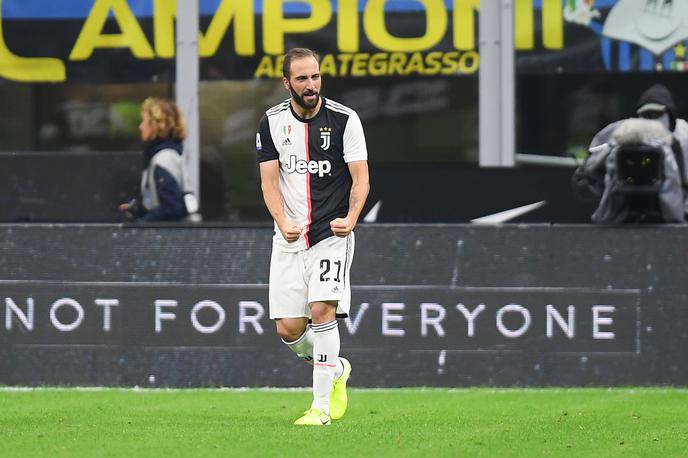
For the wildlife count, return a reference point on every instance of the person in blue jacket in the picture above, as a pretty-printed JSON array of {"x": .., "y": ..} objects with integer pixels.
[{"x": 163, "y": 130}]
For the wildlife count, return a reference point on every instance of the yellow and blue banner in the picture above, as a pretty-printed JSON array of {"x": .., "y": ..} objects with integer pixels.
[{"x": 133, "y": 40}]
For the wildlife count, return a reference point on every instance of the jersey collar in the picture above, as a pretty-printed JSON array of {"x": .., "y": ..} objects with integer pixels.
[{"x": 322, "y": 107}]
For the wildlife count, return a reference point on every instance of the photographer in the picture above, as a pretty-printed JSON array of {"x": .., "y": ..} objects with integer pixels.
[{"x": 649, "y": 183}]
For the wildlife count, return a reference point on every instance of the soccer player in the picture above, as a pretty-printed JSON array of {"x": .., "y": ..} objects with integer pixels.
[{"x": 314, "y": 177}]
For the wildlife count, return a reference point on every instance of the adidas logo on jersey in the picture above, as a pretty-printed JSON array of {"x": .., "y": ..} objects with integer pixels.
[
  {"x": 312, "y": 167},
  {"x": 286, "y": 142}
]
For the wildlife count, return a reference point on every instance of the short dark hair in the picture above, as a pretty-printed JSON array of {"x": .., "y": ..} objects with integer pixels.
[{"x": 297, "y": 53}]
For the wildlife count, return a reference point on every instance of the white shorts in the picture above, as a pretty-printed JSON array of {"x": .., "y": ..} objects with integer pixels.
[{"x": 320, "y": 273}]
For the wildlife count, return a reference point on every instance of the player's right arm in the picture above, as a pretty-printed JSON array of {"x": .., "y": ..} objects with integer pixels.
[
  {"x": 268, "y": 158},
  {"x": 269, "y": 184}
]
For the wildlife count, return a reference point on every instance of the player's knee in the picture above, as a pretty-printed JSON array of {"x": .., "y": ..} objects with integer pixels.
[
  {"x": 324, "y": 312},
  {"x": 290, "y": 333},
  {"x": 288, "y": 336}
]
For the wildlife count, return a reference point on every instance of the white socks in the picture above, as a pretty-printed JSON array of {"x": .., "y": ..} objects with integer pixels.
[
  {"x": 303, "y": 346},
  {"x": 325, "y": 362}
]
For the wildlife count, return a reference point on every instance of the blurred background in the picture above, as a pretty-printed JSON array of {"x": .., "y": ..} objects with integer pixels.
[
  {"x": 559, "y": 304},
  {"x": 73, "y": 75}
]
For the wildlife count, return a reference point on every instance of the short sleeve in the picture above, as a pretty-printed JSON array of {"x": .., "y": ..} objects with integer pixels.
[
  {"x": 265, "y": 147},
  {"x": 354, "y": 140}
]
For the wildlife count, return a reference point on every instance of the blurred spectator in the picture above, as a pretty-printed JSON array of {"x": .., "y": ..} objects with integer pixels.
[
  {"x": 637, "y": 166},
  {"x": 162, "y": 197}
]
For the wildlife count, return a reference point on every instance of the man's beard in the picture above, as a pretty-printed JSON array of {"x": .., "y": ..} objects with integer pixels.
[{"x": 301, "y": 102}]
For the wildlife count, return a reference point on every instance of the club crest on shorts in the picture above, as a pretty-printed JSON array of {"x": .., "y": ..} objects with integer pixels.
[{"x": 325, "y": 137}]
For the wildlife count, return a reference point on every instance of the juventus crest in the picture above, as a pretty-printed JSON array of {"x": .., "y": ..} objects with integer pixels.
[{"x": 325, "y": 138}]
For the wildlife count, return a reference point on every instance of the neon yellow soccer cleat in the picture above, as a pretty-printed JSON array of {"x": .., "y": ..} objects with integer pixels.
[
  {"x": 338, "y": 397},
  {"x": 313, "y": 417}
]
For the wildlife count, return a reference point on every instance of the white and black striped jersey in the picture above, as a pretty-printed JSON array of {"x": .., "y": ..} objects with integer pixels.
[{"x": 313, "y": 154}]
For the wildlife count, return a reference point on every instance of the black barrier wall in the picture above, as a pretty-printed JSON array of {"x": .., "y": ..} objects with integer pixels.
[
  {"x": 440, "y": 305},
  {"x": 40, "y": 187}
]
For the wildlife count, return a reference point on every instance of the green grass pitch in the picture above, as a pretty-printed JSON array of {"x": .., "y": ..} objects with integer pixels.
[{"x": 432, "y": 423}]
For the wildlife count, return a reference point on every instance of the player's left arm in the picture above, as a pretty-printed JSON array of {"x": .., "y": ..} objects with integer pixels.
[{"x": 341, "y": 227}]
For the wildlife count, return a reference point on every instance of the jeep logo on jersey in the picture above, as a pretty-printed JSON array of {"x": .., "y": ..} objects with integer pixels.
[
  {"x": 312, "y": 167},
  {"x": 325, "y": 137}
]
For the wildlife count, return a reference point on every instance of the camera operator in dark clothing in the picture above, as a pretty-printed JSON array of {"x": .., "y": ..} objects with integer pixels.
[
  {"x": 162, "y": 131},
  {"x": 655, "y": 103},
  {"x": 637, "y": 172}
]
